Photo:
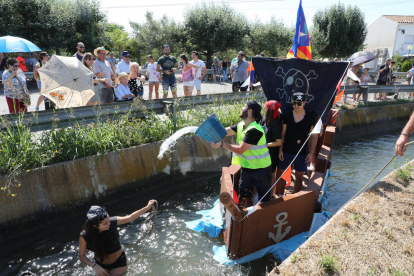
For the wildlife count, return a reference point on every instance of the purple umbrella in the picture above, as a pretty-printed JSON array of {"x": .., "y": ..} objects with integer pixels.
[{"x": 362, "y": 59}]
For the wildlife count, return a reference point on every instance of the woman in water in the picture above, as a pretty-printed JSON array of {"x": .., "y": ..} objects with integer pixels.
[
  {"x": 100, "y": 235},
  {"x": 187, "y": 76},
  {"x": 272, "y": 126}
]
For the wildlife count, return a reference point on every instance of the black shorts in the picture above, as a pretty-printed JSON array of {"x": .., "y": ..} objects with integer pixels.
[
  {"x": 120, "y": 262},
  {"x": 237, "y": 86},
  {"x": 259, "y": 178}
]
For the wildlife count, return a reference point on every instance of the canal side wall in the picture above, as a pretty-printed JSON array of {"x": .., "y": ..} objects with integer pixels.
[
  {"x": 354, "y": 123},
  {"x": 59, "y": 188}
]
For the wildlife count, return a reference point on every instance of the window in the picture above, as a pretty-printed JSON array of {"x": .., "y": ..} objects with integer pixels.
[{"x": 409, "y": 39}]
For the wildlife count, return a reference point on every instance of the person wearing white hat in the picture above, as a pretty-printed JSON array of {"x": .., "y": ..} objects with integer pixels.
[
  {"x": 122, "y": 91},
  {"x": 103, "y": 70}
]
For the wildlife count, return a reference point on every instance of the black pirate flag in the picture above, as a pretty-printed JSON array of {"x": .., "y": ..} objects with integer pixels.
[{"x": 318, "y": 81}]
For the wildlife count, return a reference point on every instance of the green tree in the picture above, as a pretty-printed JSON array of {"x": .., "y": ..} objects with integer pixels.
[
  {"x": 273, "y": 38},
  {"x": 338, "y": 31},
  {"x": 55, "y": 25},
  {"x": 119, "y": 39},
  {"x": 209, "y": 28},
  {"x": 151, "y": 35}
]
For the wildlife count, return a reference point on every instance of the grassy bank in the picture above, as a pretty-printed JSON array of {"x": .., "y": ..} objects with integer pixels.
[
  {"x": 371, "y": 236},
  {"x": 22, "y": 150}
]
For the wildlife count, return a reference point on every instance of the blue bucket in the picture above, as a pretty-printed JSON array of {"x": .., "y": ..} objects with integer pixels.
[{"x": 212, "y": 129}]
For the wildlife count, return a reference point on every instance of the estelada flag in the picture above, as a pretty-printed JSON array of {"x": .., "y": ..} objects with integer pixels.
[
  {"x": 301, "y": 42},
  {"x": 317, "y": 80},
  {"x": 287, "y": 176},
  {"x": 251, "y": 70}
]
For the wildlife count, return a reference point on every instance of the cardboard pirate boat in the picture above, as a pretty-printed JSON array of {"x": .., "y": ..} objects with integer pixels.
[{"x": 279, "y": 219}]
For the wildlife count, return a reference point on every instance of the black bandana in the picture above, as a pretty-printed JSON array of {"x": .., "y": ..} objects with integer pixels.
[
  {"x": 96, "y": 214},
  {"x": 299, "y": 97}
]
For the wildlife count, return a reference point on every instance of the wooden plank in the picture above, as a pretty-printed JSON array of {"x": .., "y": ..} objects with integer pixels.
[
  {"x": 315, "y": 183},
  {"x": 258, "y": 228},
  {"x": 329, "y": 136},
  {"x": 322, "y": 159}
]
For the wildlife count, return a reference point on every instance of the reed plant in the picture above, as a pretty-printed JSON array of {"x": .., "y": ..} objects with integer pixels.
[{"x": 22, "y": 150}]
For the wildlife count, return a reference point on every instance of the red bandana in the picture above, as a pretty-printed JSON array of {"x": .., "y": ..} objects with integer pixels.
[{"x": 273, "y": 105}]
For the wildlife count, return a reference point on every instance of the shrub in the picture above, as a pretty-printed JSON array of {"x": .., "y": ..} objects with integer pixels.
[{"x": 406, "y": 66}]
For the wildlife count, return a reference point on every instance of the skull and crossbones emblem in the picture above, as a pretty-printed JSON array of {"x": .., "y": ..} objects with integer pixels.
[{"x": 295, "y": 81}]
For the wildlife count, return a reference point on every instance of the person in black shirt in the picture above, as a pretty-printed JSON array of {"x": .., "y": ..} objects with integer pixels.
[
  {"x": 383, "y": 76},
  {"x": 272, "y": 125},
  {"x": 100, "y": 235},
  {"x": 251, "y": 153},
  {"x": 297, "y": 124}
]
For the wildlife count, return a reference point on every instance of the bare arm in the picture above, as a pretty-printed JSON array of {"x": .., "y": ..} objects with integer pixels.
[
  {"x": 281, "y": 142},
  {"x": 403, "y": 139},
  {"x": 204, "y": 72},
  {"x": 35, "y": 72},
  {"x": 159, "y": 69},
  {"x": 83, "y": 259},
  {"x": 230, "y": 132},
  {"x": 276, "y": 143},
  {"x": 8, "y": 81},
  {"x": 239, "y": 149},
  {"x": 136, "y": 214}
]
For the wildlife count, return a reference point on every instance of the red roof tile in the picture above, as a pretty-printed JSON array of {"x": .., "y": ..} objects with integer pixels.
[{"x": 401, "y": 18}]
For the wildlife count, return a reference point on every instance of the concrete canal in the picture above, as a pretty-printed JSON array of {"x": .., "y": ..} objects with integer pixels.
[{"x": 177, "y": 250}]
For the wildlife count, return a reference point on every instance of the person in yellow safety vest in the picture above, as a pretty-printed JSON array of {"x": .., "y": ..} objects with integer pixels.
[{"x": 251, "y": 153}]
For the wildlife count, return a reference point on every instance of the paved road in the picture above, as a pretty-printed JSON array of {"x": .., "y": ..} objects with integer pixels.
[{"x": 206, "y": 88}]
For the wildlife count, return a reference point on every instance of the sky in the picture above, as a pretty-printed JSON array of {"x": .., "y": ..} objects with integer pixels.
[{"x": 123, "y": 12}]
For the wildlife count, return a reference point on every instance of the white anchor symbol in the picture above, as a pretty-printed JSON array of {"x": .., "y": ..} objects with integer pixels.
[{"x": 280, "y": 218}]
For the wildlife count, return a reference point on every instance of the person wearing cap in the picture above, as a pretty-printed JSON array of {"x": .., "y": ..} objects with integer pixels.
[
  {"x": 167, "y": 65},
  {"x": 122, "y": 91},
  {"x": 272, "y": 125},
  {"x": 251, "y": 153},
  {"x": 100, "y": 235},
  {"x": 103, "y": 70},
  {"x": 123, "y": 66},
  {"x": 297, "y": 124}
]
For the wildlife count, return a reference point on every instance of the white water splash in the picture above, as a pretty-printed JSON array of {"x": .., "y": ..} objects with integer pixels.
[{"x": 172, "y": 140}]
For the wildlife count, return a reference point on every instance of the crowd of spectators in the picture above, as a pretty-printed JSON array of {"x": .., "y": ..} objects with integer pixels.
[{"x": 113, "y": 80}]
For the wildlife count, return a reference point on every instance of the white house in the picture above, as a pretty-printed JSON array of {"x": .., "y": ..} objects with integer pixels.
[{"x": 389, "y": 35}]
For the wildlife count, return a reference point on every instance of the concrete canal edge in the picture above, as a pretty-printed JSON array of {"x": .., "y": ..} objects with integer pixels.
[
  {"x": 353, "y": 123},
  {"x": 64, "y": 187},
  {"x": 370, "y": 236}
]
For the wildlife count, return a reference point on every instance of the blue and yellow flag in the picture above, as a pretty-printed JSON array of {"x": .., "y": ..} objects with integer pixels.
[{"x": 301, "y": 43}]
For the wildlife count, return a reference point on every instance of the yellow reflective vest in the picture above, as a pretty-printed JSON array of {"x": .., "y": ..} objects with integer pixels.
[{"x": 257, "y": 156}]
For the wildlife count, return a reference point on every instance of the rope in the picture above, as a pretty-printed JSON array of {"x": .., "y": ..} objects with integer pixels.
[
  {"x": 360, "y": 191},
  {"x": 152, "y": 227}
]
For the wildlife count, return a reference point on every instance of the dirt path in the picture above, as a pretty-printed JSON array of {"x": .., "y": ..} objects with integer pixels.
[{"x": 370, "y": 236}]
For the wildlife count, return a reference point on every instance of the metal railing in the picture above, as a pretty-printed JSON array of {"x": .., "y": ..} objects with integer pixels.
[
  {"x": 48, "y": 119},
  {"x": 59, "y": 118}
]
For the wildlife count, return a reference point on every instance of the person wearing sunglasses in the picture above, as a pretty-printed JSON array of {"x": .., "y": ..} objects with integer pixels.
[
  {"x": 100, "y": 235},
  {"x": 167, "y": 65},
  {"x": 88, "y": 61},
  {"x": 81, "y": 49},
  {"x": 239, "y": 73},
  {"x": 297, "y": 124},
  {"x": 124, "y": 65},
  {"x": 14, "y": 81}
]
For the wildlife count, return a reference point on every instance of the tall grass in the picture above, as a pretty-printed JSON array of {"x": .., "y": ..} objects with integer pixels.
[{"x": 22, "y": 150}]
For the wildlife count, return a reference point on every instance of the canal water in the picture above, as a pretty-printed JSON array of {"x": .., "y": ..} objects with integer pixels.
[{"x": 177, "y": 250}]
